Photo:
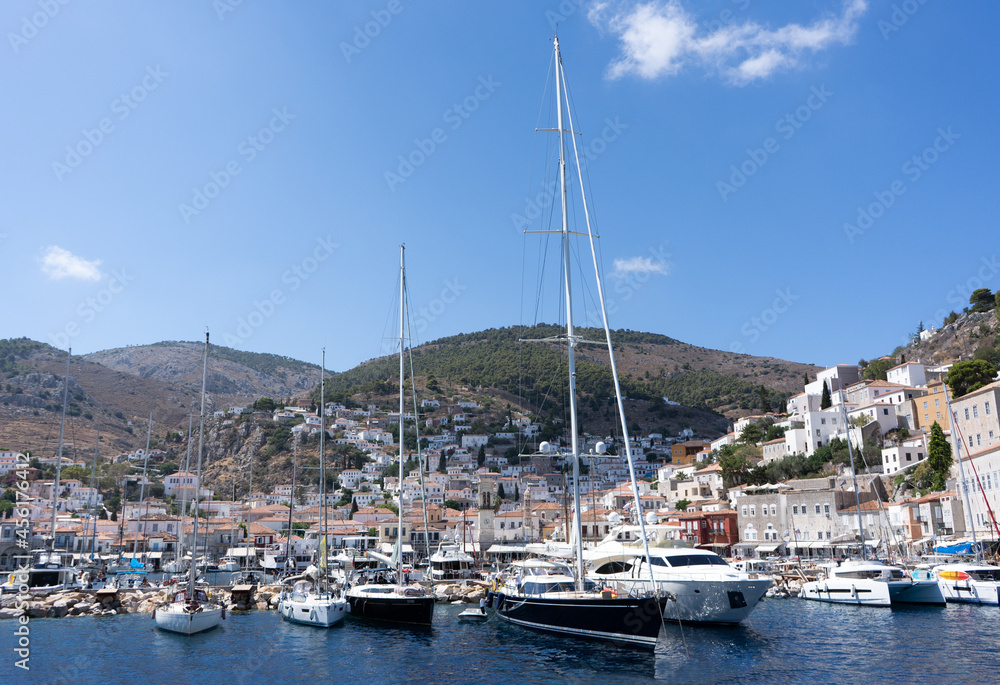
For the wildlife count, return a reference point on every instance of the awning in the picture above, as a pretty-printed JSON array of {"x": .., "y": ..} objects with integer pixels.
[
  {"x": 155, "y": 555},
  {"x": 873, "y": 543},
  {"x": 506, "y": 549},
  {"x": 745, "y": 545},
  {"x": 819, "y": 545},
  {"x": 922, "y": 541},
  {"x": 767, "y": 548},
  {"x": 713, "y": 545}
]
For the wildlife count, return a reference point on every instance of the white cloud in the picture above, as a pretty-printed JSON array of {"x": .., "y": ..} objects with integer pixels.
[
  {"x": 58, "y": 264},
  {"x": 639, "y": 265},
  {"x": 660, "y": 37}
]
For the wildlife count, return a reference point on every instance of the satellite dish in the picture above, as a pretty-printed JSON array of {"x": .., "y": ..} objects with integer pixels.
[
  {"x": 600, "y": 448},
  {"x": 545, "y": 447},
  {"x": 651, "y": 519},
  {"x": 614, "y": 518}
]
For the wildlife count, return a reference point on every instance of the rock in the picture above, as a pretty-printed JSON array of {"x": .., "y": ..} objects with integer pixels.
[
  {"x": 262, "y": 606},
  {"x": 57, "y": 611},
  {"x": 9, "y": 612},
  {"x": 273, "y": 602},
  {"x": 264, "y": 596},
  {"x": 37, "y": 610}
]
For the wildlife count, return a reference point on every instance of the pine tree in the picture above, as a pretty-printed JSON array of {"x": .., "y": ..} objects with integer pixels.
[
  {"x": 765, "y": 403},
  {"x": 825, "y": 401},
  {"x": 939, "y": 457}
]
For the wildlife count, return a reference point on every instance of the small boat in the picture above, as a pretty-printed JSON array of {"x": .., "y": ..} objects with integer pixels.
[
  {"x": 473, "y": 615},
  {"x": 229, "y": 564}
]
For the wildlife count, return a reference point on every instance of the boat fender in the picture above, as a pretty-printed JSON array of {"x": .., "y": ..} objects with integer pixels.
[
  {"x": 489, "y": 598},
  {"x": 312, "y": 615},
  {"x": 154, "y": 613},
  {"x": 223, "y": 612},
  {"x": 500, "y": 601}
]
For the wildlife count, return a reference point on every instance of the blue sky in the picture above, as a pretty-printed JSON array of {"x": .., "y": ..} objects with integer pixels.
[{"x": 803, "y": 180}]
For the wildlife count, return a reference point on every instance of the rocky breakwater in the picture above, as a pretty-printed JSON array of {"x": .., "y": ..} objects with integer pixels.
[
  {"x": 108, "y": 603},
  {"x": 469, "y": 593}
]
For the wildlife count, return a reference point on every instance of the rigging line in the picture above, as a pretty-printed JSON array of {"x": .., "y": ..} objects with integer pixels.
[
  {"x": 388, "y": 318},
  {"x": 975, "y": 472},
  {"x": 878, "y": 497},
  {"x": 416, "y": 431}
]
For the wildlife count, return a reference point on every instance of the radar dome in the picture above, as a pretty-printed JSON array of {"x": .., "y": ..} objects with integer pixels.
[{"x": 600, "y": 448}]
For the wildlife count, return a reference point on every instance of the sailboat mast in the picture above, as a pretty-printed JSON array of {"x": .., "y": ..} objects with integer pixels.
[
  {"x": 402, "y": 442},
  {"x": 291, "y": 500},
  {"x": 62, "y": 426},
  {"x": 321, "y": 547},
  {"x": 197, "y": 491},
  {"x": 187, "y": 472},
  {"x": 854, "y": 477},
  {"x": 246, "y": 557},
  {"x": 90, "y": 506},
  {"x": 142, "y": 488},
  {"x": 570, "y": 337},
  {"x": 966, "y": 500}
]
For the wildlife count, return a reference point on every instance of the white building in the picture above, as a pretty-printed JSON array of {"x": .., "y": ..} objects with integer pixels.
[{"x": 908, "y": 373}]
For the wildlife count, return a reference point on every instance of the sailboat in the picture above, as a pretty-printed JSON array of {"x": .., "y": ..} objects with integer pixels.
[
  {"x": 962, "y": 581},
  {"x": 553, "y": 596},
  {"x": 386, "y": 594},
  {"x": 868, "y": 582},
  {"x": 312, "y": 600},
  {"x": 191, "y": 609}
]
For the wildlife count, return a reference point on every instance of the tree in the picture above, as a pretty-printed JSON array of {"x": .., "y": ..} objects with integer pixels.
[
  {"x": 825, "y": 401},
  {"x": 765, "y": 403},
  {"x": 265, "y": 404},
  {"x": 114, "y": 515},
  {"x": 950, "y": 319},
  {"x": 481, "y": 457},
  {"x": 877, "y": 369},
  {"x": 682, "y": 504},
  {"x": 500, "y": 493},
  {"x": 751, "y": 434},
  {"x": 774, "y": 432},
  {"x": 939, "y": 457},
  {"x": 452, "y": 504},
  {"x": 354, "y": 508},
  {"x": 103, "y": 515},
  {"x": 969, "y": 376},
  {"x": 981, "y": 300}
]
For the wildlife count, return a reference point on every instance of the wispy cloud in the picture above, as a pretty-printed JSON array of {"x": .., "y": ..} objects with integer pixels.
[
  {"x": 659, "y": 38},
  {"x": 639, "y": 265},
  {"x": 58, "y": 264}
]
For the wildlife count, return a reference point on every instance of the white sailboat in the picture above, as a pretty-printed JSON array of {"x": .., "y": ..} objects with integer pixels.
[
  {"x": 312, "y": 600},
  {"x": 192, "y": 610},
  {"x": 390, "y": 596},
  {"x": 556, "y": 598}
]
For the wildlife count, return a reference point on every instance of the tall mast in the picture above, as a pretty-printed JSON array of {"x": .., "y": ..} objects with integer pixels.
[
  {"x": 291, "y": 500},
  {"x": 62, "y": 426},
  {"x": 90, "y": 506},
  {"x": 570, "y": 337},
  {"x": 197, "y": 491},
  {"x": 249, "y": 505},
  {"x": 142, "y": 489},
  {"x": 420, "y": 456},
  {"x": 321, "y": 547},
  {"x": 187, "y": 472},
  {"x": 854, "y": 477},
  {"x": 402, "y": 310},
  {"x": 966, "y": 500}
]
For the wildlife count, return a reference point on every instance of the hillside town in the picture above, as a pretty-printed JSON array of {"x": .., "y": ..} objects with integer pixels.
[{"x": 492, "y": 500}]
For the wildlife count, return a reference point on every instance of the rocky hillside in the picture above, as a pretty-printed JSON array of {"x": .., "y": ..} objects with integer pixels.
[
  {"x": 971, "y": 335},
  {"x": 233, "y": 374}
]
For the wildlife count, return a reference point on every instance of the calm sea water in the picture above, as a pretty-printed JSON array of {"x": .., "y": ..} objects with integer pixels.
[{"x": 785, "y": 641}]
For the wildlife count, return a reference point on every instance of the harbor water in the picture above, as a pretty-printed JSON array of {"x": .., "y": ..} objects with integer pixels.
[{"x": 784, "y": 641}]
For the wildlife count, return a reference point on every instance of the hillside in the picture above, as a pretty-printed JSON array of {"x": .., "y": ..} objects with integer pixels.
[
  {"x": 233, "y": 375},
  {"x": 971, "y": 335}
]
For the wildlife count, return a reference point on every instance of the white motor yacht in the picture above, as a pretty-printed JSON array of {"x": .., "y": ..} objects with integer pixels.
[{"x": 451, "y": 563}]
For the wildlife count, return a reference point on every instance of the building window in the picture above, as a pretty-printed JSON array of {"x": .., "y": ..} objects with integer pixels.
[
  {"x": 744, "y": 510},
  {"x": 753, "y": 510},
  {"x": 774, "y": 510},
  {"x": 795, "y": 509},
  {"x": 975, "y": 411},
  {"x": 938, "y": 416},
  {"x": 937, "y": 402},
  {"x": 987, "y": 408},
  {"x": 822, "y": 421},
  {"x": 826, "y": 508},
  {"x": 978, "y": 440},
  {"x": 827, "y": 535},
  {"x": 885, "y": 412},
  {"x": 763, "y": 510},
  {"x": 925, "y": 405},
  {"x": 817, "y": 508},
  {"x": 970, "y": 441},
  {"x": 966, "y": 413}
]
